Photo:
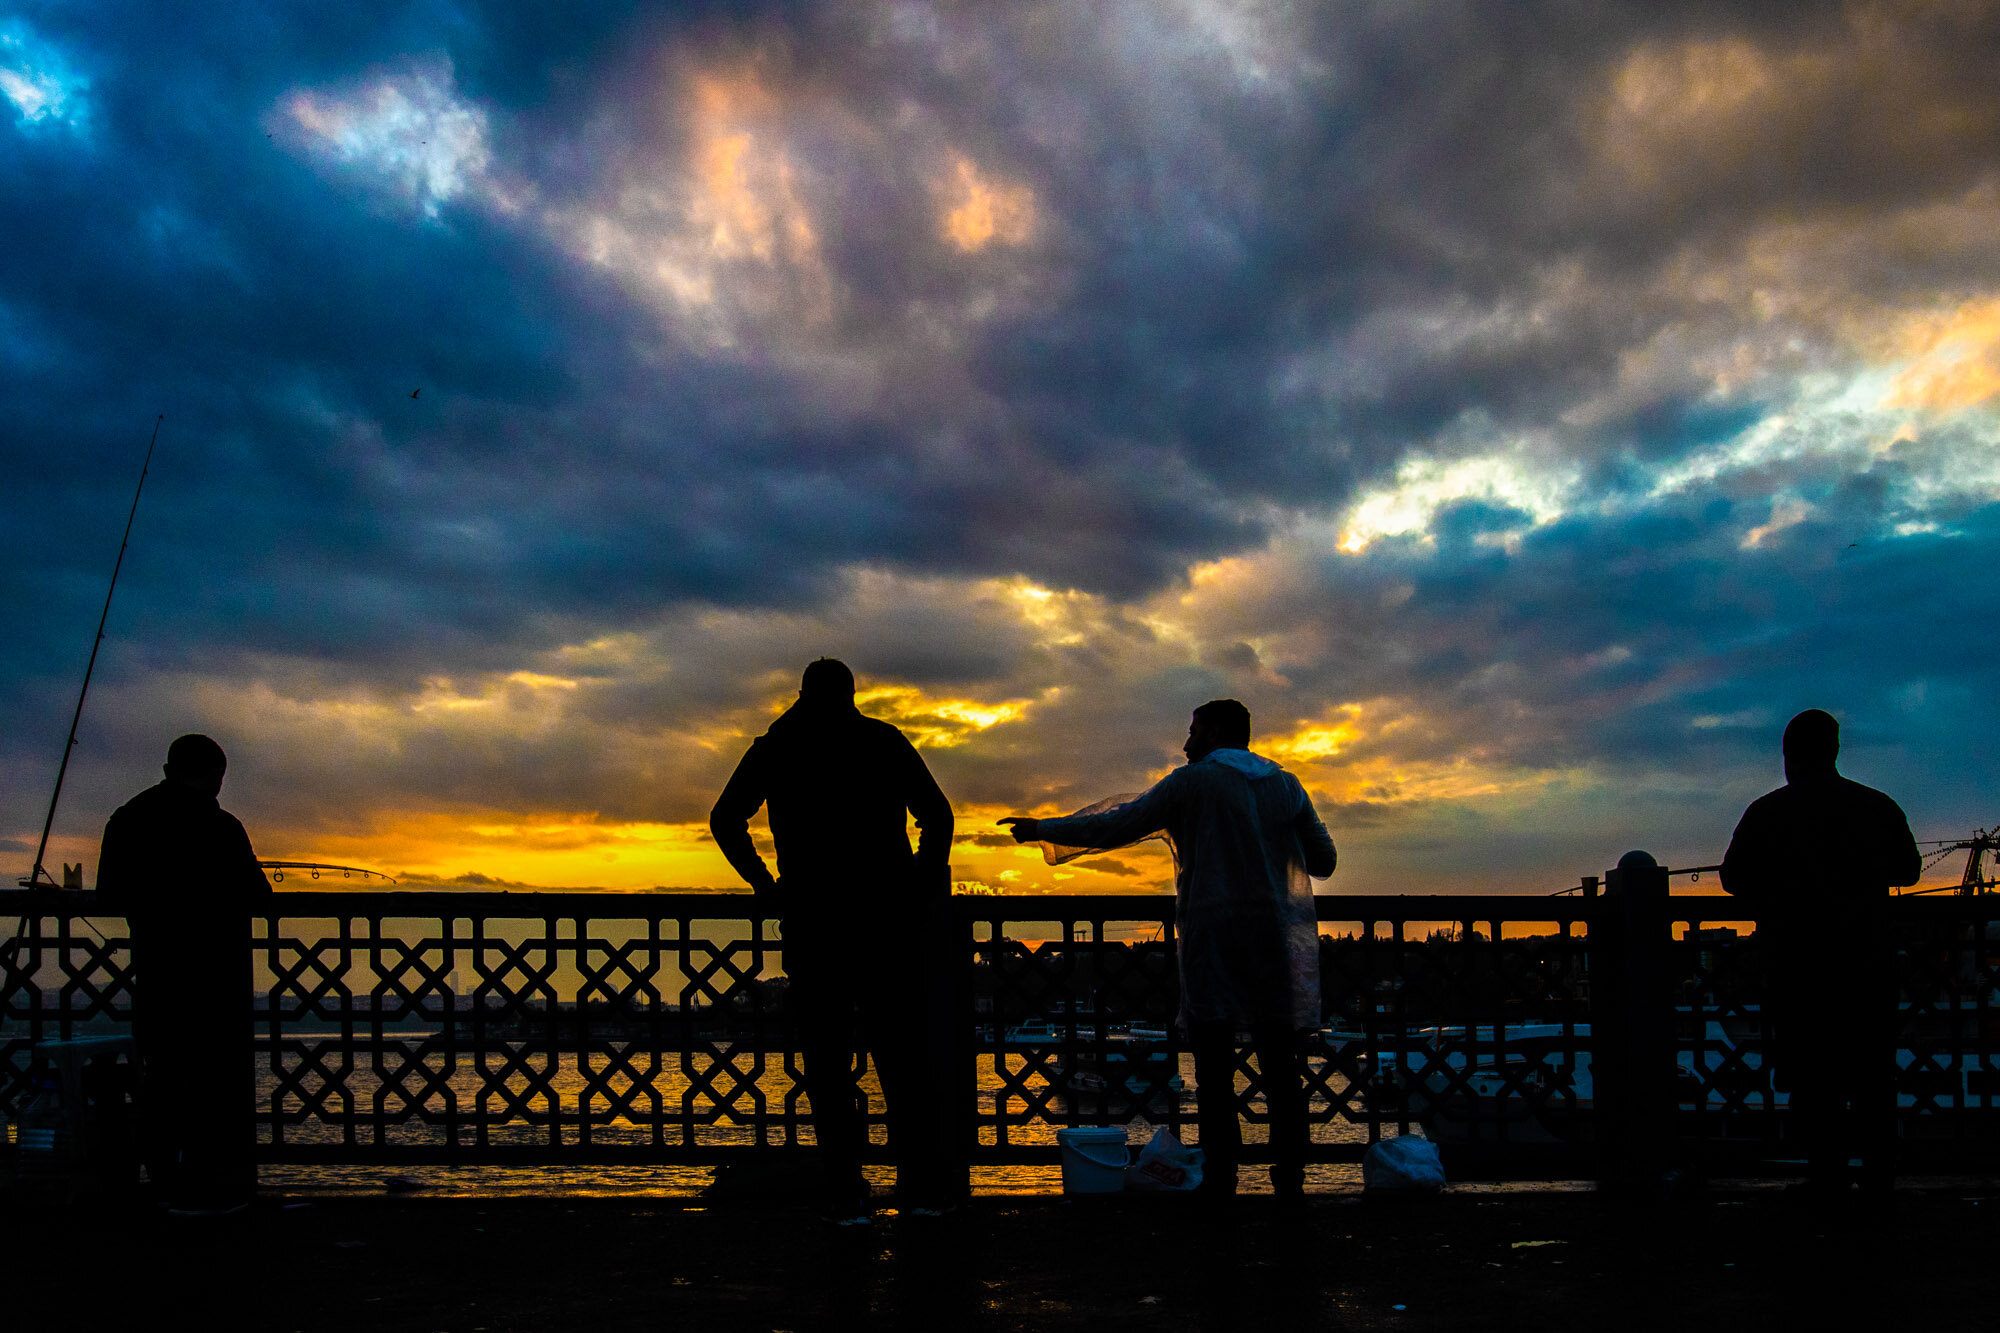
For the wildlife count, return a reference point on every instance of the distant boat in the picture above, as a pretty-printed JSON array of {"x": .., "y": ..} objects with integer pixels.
[{"x": 1136, "y": 1060}]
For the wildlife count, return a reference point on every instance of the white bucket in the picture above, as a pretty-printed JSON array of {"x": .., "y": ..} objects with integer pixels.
[{"x": 1093, "y": 1160}]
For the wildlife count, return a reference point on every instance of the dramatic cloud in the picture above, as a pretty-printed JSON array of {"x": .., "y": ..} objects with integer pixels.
[
  {"x": 1523, "y": 409},
  {"x": 411, "y": 130}
]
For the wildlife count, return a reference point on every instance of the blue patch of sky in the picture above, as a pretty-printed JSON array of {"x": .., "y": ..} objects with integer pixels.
[{"x": 38, "y": 81}]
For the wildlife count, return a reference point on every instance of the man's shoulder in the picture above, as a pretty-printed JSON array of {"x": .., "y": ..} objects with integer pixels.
[
  {"x": 1863, "y": 796},
  {"x": 160, "y": 793},
  {"x": 884, "y": 735},
  {"x": 1772, "y": 802},
  {"x": 150, "y": 803},
  {"x": 1820, "y": 797},
  {"x": 1213, "y": 769},
  {"x": 1203, "y": 780}
]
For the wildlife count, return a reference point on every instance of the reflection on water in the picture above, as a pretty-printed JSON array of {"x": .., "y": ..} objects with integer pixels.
[
  {"x": 673, "y": 1091},
  {"x": 675, "y": 1181}
]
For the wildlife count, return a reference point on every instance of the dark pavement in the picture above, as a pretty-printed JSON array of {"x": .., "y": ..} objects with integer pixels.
[{"x": 1470, "y": 1259}]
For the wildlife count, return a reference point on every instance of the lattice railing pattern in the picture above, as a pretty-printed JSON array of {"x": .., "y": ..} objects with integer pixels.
[
  {"x": 550, "y": 1027},
  {"x": 1466, "y": 1015},
  {"x": 1946, "y": 957}
]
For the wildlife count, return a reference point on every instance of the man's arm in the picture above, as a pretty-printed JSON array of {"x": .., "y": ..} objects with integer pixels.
[
  {"x": 1746, "y": 868},
  {"x": 1139, "y": 817},
  {"x": 929, "y": 806},
  {"x": 729, "y": 821},
  {"x": 1902, "y": 864},
  {"x": 114, "y": 868},
  {"x": 1316, "y": 842},
  {"x": 246, "y": 876}
]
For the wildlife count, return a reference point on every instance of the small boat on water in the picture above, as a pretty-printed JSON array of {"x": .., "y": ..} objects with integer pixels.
[{"x": 1140, "y": 1064}]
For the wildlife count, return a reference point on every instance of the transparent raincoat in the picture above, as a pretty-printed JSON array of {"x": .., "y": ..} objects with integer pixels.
[{"x": 1247, "y": 845}]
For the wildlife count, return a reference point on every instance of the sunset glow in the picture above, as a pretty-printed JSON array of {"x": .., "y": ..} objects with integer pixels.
[{"x": 1522, "y": 421}]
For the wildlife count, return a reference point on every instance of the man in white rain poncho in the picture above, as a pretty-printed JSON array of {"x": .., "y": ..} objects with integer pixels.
[{"x": 1247, "y": 843}]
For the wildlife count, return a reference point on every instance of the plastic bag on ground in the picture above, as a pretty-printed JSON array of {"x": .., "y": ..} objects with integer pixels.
[
  {"x": 1165, "y": 1163},
  {"x": 1402, "y": 1163}
]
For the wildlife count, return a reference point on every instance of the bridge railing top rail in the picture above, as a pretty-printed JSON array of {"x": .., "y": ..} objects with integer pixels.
[{"x": 1369, "y": 907}]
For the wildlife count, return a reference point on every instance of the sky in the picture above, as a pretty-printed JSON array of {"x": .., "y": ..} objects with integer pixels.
[{"x": 1525, "y": 409}]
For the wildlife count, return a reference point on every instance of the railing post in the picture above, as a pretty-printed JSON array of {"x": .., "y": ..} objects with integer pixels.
[
  {"x": 955, "y": 1021},
  {"x": 1632, "y": 1030}
]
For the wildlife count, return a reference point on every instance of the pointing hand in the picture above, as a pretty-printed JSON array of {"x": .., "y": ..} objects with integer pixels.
[{"x": 1023, "y": 828}]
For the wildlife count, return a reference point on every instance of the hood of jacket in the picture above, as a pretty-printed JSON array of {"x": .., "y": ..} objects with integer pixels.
[
  {"x": 1252, "y": 766},
  {"x": 815, "y": 718}
]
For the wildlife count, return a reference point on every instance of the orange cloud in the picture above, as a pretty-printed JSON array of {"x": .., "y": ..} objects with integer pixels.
[
  {"x": 1313, "y": 742},
  {"x": 1954, "y": 358},
  {"x": 722, "y": 231},
  {"x": 746, "y": 203},
  {"x": 988, "y": 211},
  {"x": 1351, "y": 756},
  {"x": 937, "y": 724}
]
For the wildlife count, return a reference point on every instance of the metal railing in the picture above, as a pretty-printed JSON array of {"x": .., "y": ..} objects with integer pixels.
[{"x": 567, "y": 1027}]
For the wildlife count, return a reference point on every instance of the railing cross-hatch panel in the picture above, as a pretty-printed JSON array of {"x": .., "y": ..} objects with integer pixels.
[{"x": 653, "y": 1028}]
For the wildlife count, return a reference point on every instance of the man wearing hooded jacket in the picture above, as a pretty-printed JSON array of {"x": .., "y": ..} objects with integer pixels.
[
  {"x": 860, "y": 912},
  {"x": 1248, "y": 843}
]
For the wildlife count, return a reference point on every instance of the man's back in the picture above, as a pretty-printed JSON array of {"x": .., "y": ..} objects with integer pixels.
[
  {"x": 840, "y": 788},
  {"x": 864, "y": 917},
  {"x": 1824, "y": 849},
  {"x": 173, "y": 855},
  {"x": 1240, "y": 824}
]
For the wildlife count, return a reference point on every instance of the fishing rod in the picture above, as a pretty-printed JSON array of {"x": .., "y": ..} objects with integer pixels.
[
  {"x": 39, "y": 874},
  {"x": 278, "y": 869}
]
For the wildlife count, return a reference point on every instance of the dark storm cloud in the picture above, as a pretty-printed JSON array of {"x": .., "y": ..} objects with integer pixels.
[{"x": 1273, "y": 255}]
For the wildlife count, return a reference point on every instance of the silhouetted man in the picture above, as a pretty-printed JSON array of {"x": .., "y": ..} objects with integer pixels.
[
  {"x": 179, "y": 868},
  {"x": 1816, "y": 859},
  {"x": 1247, "y": 840},
  {"x": 860, "y": 912}
]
